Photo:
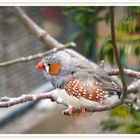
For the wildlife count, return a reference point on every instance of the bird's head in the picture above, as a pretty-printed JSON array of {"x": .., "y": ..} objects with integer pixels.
[
  {"x": 57, "y": 67},
  {"x": 56, "y": 64}
]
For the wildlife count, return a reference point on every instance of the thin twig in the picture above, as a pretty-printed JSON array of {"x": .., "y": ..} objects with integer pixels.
[
  {"x": 127, "y": 72},
  {"x": 39, "y": 55},
  {"x": 116, "y": 53}
]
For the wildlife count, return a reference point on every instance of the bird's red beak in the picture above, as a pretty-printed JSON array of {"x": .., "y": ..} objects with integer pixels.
[{"x": 40, "y": 65}]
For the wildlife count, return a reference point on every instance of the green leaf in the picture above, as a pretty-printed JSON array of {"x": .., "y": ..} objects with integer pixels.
[
  {"x": 80, "y": 19},
  {"x": 123, "y": 56},
  {"x": 79, "y": 9},
  {"x": 107, "y": 17},
  {"x": 111, "y": 125},
  {"x": 107, "y": 52},
  {"x": 137, "y": 51},
  {"x": 121, "y": 112},
  {"x": 86, "y": 9},
  {"x": 125, "y": 52},
  {"x": 84, "y": 20},
  {"x": 133, "y": 129},
  {"x": 128, "y": 25},
  {"x": 135, "y": 115}
]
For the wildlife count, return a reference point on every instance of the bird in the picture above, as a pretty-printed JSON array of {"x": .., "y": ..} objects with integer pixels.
[{"x": 80, "y": 85}]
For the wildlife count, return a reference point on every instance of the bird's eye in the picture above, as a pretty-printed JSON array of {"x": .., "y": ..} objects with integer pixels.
[{"x": 72, "y": 72}]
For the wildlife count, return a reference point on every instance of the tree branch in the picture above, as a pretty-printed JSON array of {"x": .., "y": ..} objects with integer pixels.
[
  {"x": 99, "y": 109},
  {"x": 116, "y": 53},
  {"x": 127, "y": 72},
  {"x": 39, "y": 55},
  {"x": 134, "y": 87},
  {"x": 41, "y": 34},
  {"x": 7, "y": 101}
]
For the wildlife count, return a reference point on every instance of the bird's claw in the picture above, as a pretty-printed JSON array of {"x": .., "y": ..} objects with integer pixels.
[
  {"x": 83, "y": 110},
  {"x": 69, "y": 111}
]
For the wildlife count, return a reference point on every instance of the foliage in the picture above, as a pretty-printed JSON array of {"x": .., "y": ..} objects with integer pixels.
[
  {"x": 127, "y": 38},
  {"x": 86, "y": 18},
  {"x": 124, "y": 119}
]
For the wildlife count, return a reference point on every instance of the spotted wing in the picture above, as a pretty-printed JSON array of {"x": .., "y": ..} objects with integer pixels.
[
  {"x": 87, "y": 89},
  {"x": 91, "y": 86},
  {"x": 99, "y": 75}
]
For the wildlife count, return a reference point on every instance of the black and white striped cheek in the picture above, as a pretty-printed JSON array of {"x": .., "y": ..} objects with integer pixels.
[{"x": 47, "y": 68}]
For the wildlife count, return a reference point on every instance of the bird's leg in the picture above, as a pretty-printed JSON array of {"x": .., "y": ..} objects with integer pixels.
[
  {"x": 83, "y": 110},
  {"x": 70, "y": 111}
]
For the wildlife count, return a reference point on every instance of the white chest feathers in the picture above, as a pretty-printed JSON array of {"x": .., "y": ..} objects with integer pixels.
[{"x": 74, "y": 101}]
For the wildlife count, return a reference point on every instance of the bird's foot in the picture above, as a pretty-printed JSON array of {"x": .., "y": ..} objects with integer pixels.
[
  {"x": 83, "y": 110},
  {"x": 70, "y": 111}
]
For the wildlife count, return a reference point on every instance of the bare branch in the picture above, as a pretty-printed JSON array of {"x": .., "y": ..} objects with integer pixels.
[
  {"x": 7, "y": 102},
  {"x": 35, "y": 29},
  {"x": 127, "y": 72},
  {"x": 130, "y": 102},
  {"x": 52, "y": 95},
  {"x": 116, "y": 53},
  {"x": 39, "y": 55},
  {"x": 99, "y": 109},
  {"x": 133, "y": 101},
  {"x": 134, "y": 87}
]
